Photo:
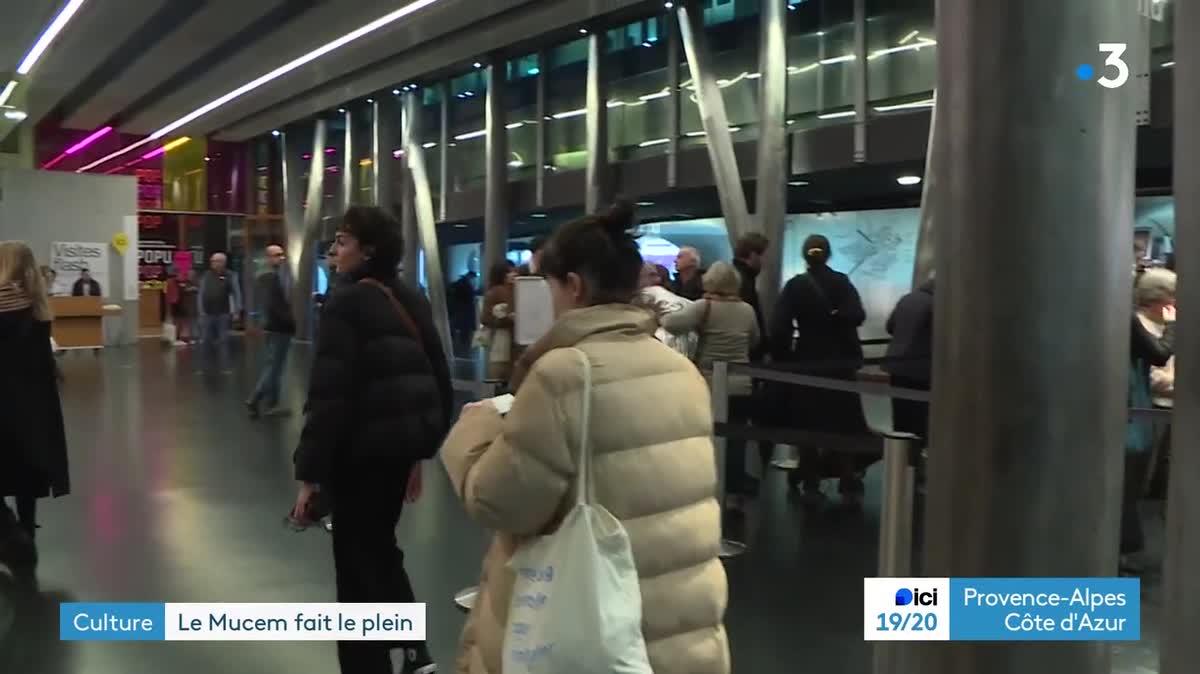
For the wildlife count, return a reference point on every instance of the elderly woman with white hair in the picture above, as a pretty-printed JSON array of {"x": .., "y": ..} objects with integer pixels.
[
  {"x": 1151, "y": 379},
  {"x": 726, "y": 329}
]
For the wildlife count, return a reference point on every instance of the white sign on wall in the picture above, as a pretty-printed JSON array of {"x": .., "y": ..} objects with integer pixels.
[{"x": 69, "y": 258}]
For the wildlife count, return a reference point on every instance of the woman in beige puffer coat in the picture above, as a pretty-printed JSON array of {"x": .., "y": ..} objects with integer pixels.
[{"x": 653, "y": 460}]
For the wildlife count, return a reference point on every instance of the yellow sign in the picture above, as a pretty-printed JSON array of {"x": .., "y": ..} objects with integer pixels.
[{"x": 120, "y": 241}]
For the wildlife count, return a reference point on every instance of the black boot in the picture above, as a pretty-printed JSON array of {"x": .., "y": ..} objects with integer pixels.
[{"x": 418, "y": 661}]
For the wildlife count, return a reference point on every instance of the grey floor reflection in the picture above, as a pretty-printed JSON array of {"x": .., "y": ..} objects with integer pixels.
[{"x": 179, "y": 497}]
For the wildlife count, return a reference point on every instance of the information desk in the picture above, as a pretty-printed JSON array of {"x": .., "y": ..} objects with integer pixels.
[{"x": 78, "y": 321}]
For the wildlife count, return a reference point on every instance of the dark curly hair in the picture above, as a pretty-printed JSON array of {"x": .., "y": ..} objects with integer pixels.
[{"x": 379, "y": 235}]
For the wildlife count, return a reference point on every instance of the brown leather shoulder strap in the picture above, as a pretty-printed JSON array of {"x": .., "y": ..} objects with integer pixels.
[{"x": 405, "y": 318}]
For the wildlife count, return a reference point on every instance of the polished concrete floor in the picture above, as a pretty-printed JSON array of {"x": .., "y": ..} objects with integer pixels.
[{"x": 179, "y": 497}]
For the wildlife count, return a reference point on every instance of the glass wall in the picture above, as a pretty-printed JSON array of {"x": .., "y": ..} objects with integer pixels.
[
  {"x": 520, "y": 100},
  {"x": 362, "y": 119},
  {"x": 821, "y": 63},
  {"x": 466, "y": 154},
  {"x": 639, "y": 103},
  {"x": 429, "y": 133},
  {"x": 901, "y": 55},
  {"x": 566, "y": 96}
]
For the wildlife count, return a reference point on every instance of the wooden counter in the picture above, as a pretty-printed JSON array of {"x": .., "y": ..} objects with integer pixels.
[{"x": 78, "y": 322}]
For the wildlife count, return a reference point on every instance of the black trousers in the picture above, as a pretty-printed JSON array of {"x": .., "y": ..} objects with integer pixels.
[
  {"x": 369, "y": 565},
  {"x": 911, "y": 416},
  {"x": 1133, "y": 539}
]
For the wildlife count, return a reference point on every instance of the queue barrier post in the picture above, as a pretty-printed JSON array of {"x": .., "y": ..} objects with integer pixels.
[
  {"x": 895, "y": 530},
  {"x": 465, "y": 598},
  {"x": 720, "y": 406}
]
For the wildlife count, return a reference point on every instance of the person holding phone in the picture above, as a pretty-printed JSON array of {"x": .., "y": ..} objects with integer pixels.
[{"x": 379, "y": 403}]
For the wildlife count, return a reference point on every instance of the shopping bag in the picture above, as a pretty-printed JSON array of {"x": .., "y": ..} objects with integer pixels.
[{"x": 576, "y": 602}]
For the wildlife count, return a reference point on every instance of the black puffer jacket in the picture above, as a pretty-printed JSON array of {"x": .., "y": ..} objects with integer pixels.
[{"x": 376, "y": 398}]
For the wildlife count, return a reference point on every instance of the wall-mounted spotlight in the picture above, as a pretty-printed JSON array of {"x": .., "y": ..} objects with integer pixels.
[
  {"x": 908, "y": 181},
  {"x": 341, "y": 111},
  {"x": 478, "y": 64},
  {"x": 275, "y": 133},
  {"x": 370, "y": 100},
  {"x": 396, "y": 92}
]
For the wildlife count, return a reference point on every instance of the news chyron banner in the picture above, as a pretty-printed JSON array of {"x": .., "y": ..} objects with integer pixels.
[
  {"x": 241, "y": 622},
  {"x": 1002, "y": 609}
]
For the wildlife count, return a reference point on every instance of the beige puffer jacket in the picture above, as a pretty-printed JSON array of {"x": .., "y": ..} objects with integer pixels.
[{"x": 653, "y": 468}]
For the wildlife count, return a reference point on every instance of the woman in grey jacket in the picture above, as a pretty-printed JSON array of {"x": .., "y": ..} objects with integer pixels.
[{"x": 727, "y": 330}]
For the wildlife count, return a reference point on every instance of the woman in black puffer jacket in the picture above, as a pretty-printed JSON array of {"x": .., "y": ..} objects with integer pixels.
[{"x": 379, "y": 403}]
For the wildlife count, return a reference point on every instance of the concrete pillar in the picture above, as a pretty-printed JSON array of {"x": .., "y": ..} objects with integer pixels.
[
  {"x": 1181, "y": 586},
  {"x": 307, "y": 233},
  {"x": 1031, "y": 333},
  {"x": 861, "y": 111},
  {"x": 495, "y": 210},
  {"x": 349, "y": 165},
  {"x": 435, "y": 279},
  {"x": 408, "y": 213},
  {"x": 714, "y": 120},
  {"x": 443, "y": 149},
  {"x": 771, "y": 201},
  {"x": 596, "y": 190}
]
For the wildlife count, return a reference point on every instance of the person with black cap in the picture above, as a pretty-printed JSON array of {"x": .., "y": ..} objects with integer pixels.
[{"x": 814, "y": 330}]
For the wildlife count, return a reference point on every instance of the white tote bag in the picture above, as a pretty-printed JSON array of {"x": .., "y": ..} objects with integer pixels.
[{"x": 577, "y": 604}]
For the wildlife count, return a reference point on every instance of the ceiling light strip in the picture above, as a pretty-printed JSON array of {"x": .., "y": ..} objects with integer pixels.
[
  {"x": 48, "y": 36},
  {"x": 274, "y": 74},
  {"x": 8, "y": 89}
]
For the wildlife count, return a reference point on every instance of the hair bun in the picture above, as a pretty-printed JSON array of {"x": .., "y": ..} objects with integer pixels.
[{"x": 619, "y": 219}]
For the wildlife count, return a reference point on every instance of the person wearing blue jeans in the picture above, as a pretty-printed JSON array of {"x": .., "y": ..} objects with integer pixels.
[
  {"x": 273, "y": 291},
  {"x": 220, "y": 297}
]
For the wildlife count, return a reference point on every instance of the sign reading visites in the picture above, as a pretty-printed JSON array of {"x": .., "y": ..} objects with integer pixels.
[{"x": 69, "y": 259}]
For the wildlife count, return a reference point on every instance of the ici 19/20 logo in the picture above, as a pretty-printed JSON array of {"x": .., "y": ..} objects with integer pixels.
[
  {"x": 915, "y": 597},
  {"x": 1115, "y": 51}
]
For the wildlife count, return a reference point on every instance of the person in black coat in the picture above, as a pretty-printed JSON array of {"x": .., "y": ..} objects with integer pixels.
[
  {"x": 33, "y": 449},
  {"x": 379, "y": 403},
  {"x": 910, "y": 357},
  {"x": 748, "y": 257},
  {"x": 85, "y": 285},
  {"x": 814, "y": 330},
  {"x": 273, "y": 288}
]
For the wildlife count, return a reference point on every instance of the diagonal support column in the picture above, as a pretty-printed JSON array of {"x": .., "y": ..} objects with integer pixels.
[
  {"x": 596, "y": 188},
  {"x": 714, "y": 120},
  {"x": 1181, "y": 587},
  {"x": 304, "y": 225},
  {"x": 772, "y": 175},
  {"x": 923, "y": 266},
  {"x": 435, "y": 280}
]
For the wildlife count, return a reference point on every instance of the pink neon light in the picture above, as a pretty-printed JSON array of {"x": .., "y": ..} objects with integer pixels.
[
  {"x": 89, "y": 140},
  {"x": 330, "y": 150},
  {"x": 154, "y": 153},
  {"x": 54, "y": 162}
]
